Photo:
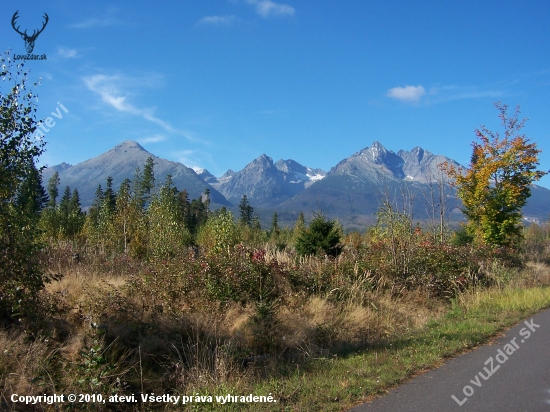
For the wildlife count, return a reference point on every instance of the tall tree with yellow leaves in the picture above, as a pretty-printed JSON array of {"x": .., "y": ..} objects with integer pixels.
[{"x": 498, "y": 182}]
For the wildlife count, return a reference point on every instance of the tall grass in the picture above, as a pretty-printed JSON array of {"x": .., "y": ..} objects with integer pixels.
[{"x": 205, "y": 323}]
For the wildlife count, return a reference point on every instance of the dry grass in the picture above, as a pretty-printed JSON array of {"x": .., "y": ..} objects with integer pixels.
[
  {"x": 156, "y": 340},
  {"x": 22, "y": 362}
]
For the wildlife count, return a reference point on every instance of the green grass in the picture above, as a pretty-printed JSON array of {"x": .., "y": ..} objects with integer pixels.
[{"x": 338, "y": 383}]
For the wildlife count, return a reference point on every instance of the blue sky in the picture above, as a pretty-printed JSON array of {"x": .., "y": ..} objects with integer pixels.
[{"x": 216, "y": 83}]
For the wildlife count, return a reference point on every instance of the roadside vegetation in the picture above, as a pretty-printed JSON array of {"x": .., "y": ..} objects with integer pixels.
[{"x": 151, "y": 292}]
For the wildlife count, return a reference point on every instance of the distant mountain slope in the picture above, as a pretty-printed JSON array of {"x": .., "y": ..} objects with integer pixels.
[
  {"x": 265, "y": 183},
  {"x": 420, "y": 165},
  {"x": 121, "y": 163},
  {"x": 379, "y": 164},
  {"x": 351, "y": 191},
  {"x": 355, "y": 187}
]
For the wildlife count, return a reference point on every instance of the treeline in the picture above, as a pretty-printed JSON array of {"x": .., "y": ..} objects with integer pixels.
[{"x": 147, "y": 220}]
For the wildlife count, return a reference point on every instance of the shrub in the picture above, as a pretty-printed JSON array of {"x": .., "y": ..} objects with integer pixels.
[{"x": 321, "y": 237}]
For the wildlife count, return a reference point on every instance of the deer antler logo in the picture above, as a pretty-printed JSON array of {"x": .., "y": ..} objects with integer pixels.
[{"x": 29, "y": 40}]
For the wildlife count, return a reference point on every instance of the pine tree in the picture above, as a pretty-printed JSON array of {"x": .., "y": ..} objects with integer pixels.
[
  {"x": 53, "y": 192},
  {"x": 31, "y": 197},
  {"x": 63, "y": 208},
  {"x": 109, "y": 196},
  {"x": 246, "y": 212},
  {"x": 146, "y": 183},
  {"x": 299, "y": 227},
  {"x": 49, "y": 222},
  {"x": 322, "y": 236},
  {"x": 75, "y": 218},
  {"x": 206, "y": 200},
  {"x": 274, "y": 231}
]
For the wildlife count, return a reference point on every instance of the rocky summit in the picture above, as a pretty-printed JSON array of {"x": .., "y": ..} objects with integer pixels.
[
  {"x": 352, "y": 190},
  {"x": 121, "y": 163}
]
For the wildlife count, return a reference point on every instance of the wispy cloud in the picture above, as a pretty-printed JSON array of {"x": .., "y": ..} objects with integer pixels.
[
  {"x": 408, "y": 94},
  {"x": 439, "y": 94},
  {"x": 442, "y": 94},
  {"x": 67, "y": 53},
  {"x": 109, "y": 89},
  {"x": 267, "y": 8},
  {"x": 153, "y": 139},
  {"x": 187, "y": 157},
  {"x": 217, "y": 20},
  {"x": 92, "y": 23}
]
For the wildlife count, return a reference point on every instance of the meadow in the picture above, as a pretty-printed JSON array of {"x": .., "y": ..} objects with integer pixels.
[{"x": 315, "y": 332}]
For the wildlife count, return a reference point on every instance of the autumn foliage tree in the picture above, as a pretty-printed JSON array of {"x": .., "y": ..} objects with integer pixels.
[{"x": 498, "y": 182}]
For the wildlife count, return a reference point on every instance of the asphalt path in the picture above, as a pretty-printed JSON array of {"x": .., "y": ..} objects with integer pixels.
[{"x": 512, "y": 373}]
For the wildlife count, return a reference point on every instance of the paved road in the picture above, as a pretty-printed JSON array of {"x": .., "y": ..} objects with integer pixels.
[{"x": 512, "y": 374}]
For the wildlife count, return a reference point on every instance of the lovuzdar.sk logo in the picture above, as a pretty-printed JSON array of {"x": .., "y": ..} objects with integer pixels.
[{"x": 29, "y": 40}]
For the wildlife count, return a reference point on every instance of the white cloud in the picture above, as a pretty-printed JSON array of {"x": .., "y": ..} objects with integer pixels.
[
  {"x": 153, "y": 139},
  {"x": 267, "y": 8},
  {"x": 407, "y": 93},
  {"x": 66, "y": 53},
  {"x": 108, "y": 88},
  {"x": 217, "y": 20}
]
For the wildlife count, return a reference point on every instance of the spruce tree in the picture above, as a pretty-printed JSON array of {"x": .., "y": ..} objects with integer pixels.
[
  {"x": 53, "y": 192},
  {"x": 109, "y": 196},
  {"x": 246, "y": 212},
  {"x": 49, "y": 222},
  {"x": 323, "y": 236},
  {"x": 274, "y": 230},
  {"x": 76, "y": 216}
]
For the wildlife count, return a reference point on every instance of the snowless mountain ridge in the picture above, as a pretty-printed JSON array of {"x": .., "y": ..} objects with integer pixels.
[{"x": 351, "y": 188}]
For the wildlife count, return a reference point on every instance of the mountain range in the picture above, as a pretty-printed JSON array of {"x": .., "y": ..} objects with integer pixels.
[
  {"x": 351, "y": 191},
  {"x": 121, "y": 163}
]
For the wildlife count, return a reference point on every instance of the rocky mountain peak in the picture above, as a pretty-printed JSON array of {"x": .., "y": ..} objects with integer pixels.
[
  {"x": 290, "y": 166},
  {"x": 128, "y": 145},
  {"x": 376, "y": 153},
  {"x": 205, "y": 175},
  {"x": 263, "y": 161}
]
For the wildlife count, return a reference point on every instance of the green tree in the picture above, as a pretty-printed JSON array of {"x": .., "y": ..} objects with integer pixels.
[
  {"x": 246, "y": 212},
  {"x": 299, "y": 227},
  {"x": 168, "y": 235},
  {"x": 49, "y": 219},
  {"x": 21, "y": 278},
  {"x": 322, "y": 236},
  {"x": 64, "y": 205},
  {"x": 145, "y": 182},
  {"x": 274, "y": 231},
  {"x": 123, "y": 216},
  {"x": 206, "y": 200},
  {"x": 31, "y": 197},
  {"x": 498, "y": 182},
  {"x": 53, "y": 192},
  {"x": 99, "y": 227},
  {"x": 220, "y": 233},
  {"x": 75, "y": 217},
  {"x": 109, "y": 195}
]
